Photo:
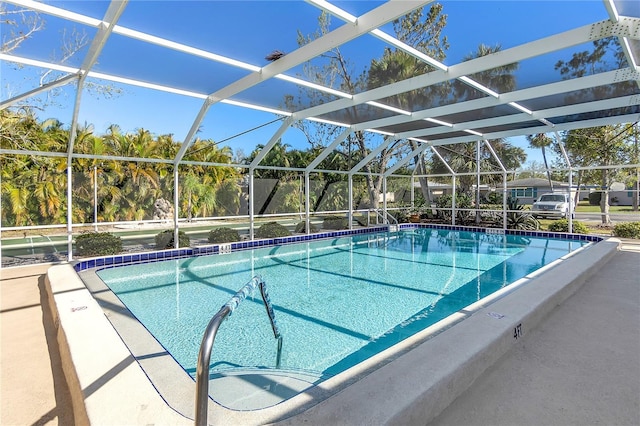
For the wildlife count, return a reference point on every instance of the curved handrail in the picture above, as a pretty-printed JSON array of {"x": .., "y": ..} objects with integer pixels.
[
  {"x": 206, "y": 347},
  {"x": 385, "y": 215}
]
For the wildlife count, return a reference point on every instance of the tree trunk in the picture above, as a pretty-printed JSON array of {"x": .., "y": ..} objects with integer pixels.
[
  {"x": 189, "y": 207},
  {"x": 604, "y": 199},
  {"x": 576, "y": 198},
  {"x": 420, "y": 170},
  {"x": 636, "y": 195},
  {"x": 546, "y": 168}
]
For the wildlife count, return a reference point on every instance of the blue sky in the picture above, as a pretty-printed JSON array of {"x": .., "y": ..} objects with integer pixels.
[{"x": 508, "y": 23}]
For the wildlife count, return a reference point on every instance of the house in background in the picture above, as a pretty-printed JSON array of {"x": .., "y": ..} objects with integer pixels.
[
  {"x": 528, "y": 190},
  {"x": 525, "y": 190},
  {"x": 616, "y": 197},
  {"x": 621, "y": 198}
]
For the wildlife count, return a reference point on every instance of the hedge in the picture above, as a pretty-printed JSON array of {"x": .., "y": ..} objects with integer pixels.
[
  {"x": 164, "y": 240},
  {"x": 272, "y": 230},
  {"x": 223, "y": 235},
  {"x": 562, "y": 225},
  {"x": 627, "y": 230},
  {"x": 98, "y": 244}
]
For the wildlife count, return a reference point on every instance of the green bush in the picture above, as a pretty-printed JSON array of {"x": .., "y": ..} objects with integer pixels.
[
  {"x": 463, "y": 201},
  {"x": 494, "y": 197},
  {"x": 301, "y": 227},
  {"x": 164, "y": 240},
  {"x": 401, "y": 216},
  {"x": 272, "y": 230},
  {"x": 627, "y": 230},
  {"x": 518, "y": 218},
  {"x": 562, "y": 225},
  {"x": 334, "y": 222},
  {"x": 98, "y": 244},
  {"x": 223, "y": 235}
]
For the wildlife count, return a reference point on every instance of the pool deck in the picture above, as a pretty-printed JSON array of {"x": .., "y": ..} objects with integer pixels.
[{"x": 580, "y": 365}]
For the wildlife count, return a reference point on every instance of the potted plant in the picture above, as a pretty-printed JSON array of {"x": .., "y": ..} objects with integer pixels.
[{"x": 414, "y": 215}]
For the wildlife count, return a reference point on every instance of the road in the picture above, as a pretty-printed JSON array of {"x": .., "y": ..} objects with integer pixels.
[{"x": 615, "y": 217}]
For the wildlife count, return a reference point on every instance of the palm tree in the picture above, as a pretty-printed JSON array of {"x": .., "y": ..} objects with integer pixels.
[
  {"x": 141, "y": 186},
  {"x": 461, "y": 157},
  {"x": 542, "y": 141},
  {"x": 500, "y": 79},
  {"x": 201, "y": 184},
  {"x": 423, "y": 32}
]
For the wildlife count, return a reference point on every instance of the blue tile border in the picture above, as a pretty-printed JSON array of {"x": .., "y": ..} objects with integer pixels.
[
  {"x": 542, "y": 234},
  {"x": 119, "y": 260},
  {"x": 150, "y": 257}
]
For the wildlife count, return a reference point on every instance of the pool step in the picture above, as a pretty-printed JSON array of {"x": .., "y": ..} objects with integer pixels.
[{"x": 253, "y": 389}]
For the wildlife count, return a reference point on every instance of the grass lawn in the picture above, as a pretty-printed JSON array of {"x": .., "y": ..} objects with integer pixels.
[{"x": 585, "y": 207}]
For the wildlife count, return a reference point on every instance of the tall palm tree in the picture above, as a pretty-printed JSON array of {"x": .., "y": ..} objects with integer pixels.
[
  {"x": 201, "y": 185},
  {"x": 500, "y": 79},
  {"x": 542, "y": 141}
]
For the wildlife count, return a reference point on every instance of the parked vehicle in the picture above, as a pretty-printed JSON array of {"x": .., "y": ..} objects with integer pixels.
[{"x": 555, "y": 204}]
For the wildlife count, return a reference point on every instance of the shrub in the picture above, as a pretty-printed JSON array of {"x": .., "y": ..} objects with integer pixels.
[
  {"x": 627, "y": 230},
  {"x": 223, "y": 235},
  {"x": 272, "y": 230},
  {"x": 301, "y": 227},
  {"x": 463, "y": 201},
  {"x": 164, "y": 240},
  {"x": 400, "y": 215},
  {"x": 517, "y": 218},
  {"x": 494, "y": 197},
  {"x": 98, "y": 244},
  {"x": 334, "y": 222},
  {"x": 562, "y": 225}
]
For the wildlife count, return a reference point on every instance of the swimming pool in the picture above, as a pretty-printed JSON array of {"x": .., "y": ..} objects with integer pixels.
[{"x": 337, "y": 301}]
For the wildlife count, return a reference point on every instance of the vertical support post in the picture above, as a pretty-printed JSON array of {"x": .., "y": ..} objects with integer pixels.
[
  {"x": 176, "y": 209},
  {"x": 566, "y": 159},
  {"x": 570, "y": 214},
  {"x": 453, "y": 200},
  {"x": 95, "y": 198},
  {"x": 301, "y": 197},
  {"x": 251, "y": 201},
  {"x": 504, "y": 200},
  {"x": 350, "y": 192},
  {"x": 504, "y": 184},
  {"x": 69, "y": 210},
  {"x": 307, "y": 198},
  {"x": 384, "y": 199},
  {"x": 413, "y": 191},
  {"x": 477, "y": 203},
  {"x": 0, "y": 218}
]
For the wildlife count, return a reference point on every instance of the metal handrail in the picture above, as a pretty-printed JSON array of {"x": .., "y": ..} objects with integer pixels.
[
  {"x": 385, "y": 217},
  {"x": 206, "y": 347}
]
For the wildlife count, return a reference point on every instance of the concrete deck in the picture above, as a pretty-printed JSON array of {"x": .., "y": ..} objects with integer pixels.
[
  {"x": 581, "y": 365},
  {"x": 33, "y": 390}
]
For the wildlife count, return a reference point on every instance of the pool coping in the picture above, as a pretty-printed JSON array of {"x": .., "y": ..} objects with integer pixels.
[{"x": 115, "y": 379}]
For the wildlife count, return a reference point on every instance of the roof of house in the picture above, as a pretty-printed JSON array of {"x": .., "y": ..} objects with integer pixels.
[{"x": 534, "y": 182}]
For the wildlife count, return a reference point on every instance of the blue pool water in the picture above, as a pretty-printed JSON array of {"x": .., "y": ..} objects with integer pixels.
[{"x": 336, "y": 301}]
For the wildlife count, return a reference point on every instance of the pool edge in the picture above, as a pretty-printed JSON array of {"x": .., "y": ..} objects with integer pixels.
[
  {"x": 434, "y": 374},
  {"x": 72, "y": 300}
]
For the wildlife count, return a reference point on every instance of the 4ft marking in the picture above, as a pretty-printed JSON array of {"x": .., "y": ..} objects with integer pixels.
[{"x": 517, "y": 331}]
